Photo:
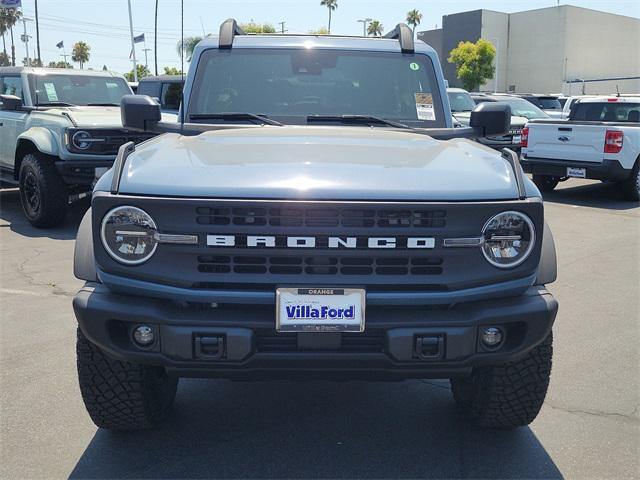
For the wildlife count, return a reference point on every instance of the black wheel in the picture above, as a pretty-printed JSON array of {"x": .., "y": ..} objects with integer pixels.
[
  {"x": 121, "y": 395},
  {"x": 506, "y": 396},
  {"x": 546, "y": 183},
  {"x": 43, "y": 194},
  {"x": 631, "y": 186}
]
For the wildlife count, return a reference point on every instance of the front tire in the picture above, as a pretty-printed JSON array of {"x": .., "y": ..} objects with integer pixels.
[
  {"x": 121, "y": 395},
  {"x": 43, "y": 193},
  {"x": 506, "y": 396},
  {"x": 631, "y": 186},
  {"x": 546, "y": 183}
]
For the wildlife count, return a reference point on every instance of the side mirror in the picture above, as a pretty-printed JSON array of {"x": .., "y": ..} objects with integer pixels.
[
  {"x": 10, "y": 102},
  {"x": 491, "y": 118},
  {"x": 139, "y": 112}
]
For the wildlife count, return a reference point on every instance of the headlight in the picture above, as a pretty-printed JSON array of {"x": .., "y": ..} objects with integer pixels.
[
  {"x": 508, "y": 239},
  {"x": 128, "y": 235},
  {"x": 79, "y": 139},
  {"x": 91, "y": 141}
]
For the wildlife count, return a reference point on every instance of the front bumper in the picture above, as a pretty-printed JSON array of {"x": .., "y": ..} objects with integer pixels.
[
  {"x": 81, "y": 172},
  {"x": 607, "y": 170},
  {"x": 240, "y": 342}
]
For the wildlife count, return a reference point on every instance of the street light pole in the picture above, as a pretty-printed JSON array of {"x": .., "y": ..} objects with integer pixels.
[
  {"x": 364, "y": 25},
  {"x": 25, "y": 39},
  {"x": 38, "y": 35},
  {"x": 133, "y": 45}
]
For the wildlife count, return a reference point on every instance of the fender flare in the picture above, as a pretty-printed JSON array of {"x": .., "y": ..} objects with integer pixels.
[
  {"x": 548, "y": 266},
  {"x": 84, "y": 262},
  {"x": 42, "y": 138}
]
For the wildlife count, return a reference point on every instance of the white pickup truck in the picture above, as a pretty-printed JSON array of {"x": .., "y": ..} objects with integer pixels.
[{"x": 600, "y": 140}]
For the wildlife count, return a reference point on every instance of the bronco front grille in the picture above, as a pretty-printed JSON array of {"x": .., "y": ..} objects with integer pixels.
[
  {"x": 320, "y": 265},
  {"x": 292, "y": 216},
  {"x": 366, "y": 342}
]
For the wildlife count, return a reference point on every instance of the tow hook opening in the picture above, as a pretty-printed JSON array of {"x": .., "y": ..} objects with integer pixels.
[
  {"x": 429, "y": 347},
  {"x": 209, "y": 347}
]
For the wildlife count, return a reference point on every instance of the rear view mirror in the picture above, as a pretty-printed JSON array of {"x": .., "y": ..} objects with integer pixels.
[
  {"x": 10, "y": 102},
  {"x": 139, "y": 112},
  {"x": 491, "y": 118}
]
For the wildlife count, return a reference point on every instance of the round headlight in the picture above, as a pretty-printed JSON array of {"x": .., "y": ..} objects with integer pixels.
[
  {"x": 79, "y": 140},
  {"x": 128, "y": 235},
  {"x": 508, "y": 239}
]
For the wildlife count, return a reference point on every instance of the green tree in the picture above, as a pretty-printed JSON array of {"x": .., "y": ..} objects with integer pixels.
[
  {"x": 172, "y": 71},
  {"x": 80, "y": 53},
  {"x": 331, "y": 5},
  {"x": 253, "y": 27},
  {"x": 8, "y": 18},
  {"x": 320, "y": 31},
  {"x": 474, "y": 62},
  {"x": 143, "y": 71},
  {"x": 3, "y": 30},
  {"x": 34, "y": 62},
  {"x": 186, "y": 49},
  {"x": 60, "y": 64},
  {"x": 375, "y": 28},
  {"x": 414, "y": 17}
]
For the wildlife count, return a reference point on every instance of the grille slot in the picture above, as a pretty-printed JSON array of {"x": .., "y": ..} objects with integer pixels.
[
  {"x": 321, "y": 217},
  {"x": 320, "y": 265},
  {"x": 365, "y": 342}
]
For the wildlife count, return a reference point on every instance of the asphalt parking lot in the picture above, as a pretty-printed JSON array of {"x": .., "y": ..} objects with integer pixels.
[{"x": 589, "y": 426}]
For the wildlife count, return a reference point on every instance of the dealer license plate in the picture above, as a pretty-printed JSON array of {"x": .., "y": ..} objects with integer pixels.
[
  {"x": 576, "y": 172},
  {"x": 320, "y": 309}
]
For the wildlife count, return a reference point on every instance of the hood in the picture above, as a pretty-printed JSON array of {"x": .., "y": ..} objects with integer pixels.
[
  {"x": 93, "y": 116},
  {"x": 465, "y": 117},
  {"x": 320, "y": 163}
]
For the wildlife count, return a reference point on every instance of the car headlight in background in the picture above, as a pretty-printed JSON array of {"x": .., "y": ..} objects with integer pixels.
[
  {"x": 129, "y": 235},
  {"x": 509, "y": 238},
  {"x": 83, "y": 140}
]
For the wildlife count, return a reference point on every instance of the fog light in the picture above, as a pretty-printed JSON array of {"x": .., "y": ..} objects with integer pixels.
[
  {"x": 143, "y": 335},
  {"x": 491, "y": 337}
]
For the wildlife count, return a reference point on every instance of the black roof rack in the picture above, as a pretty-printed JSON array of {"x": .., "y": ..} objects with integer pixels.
[
  {"x": 403, "y": 33},
  {"x": 228, "y": 30}
]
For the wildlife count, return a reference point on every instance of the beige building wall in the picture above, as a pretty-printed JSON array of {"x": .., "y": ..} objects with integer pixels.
[{"x": 495, "y": 29}]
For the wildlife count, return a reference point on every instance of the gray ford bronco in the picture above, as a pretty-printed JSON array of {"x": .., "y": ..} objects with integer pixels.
[
  {"x": 59, "y": 130},
  {"x": 315, "y": 215}
]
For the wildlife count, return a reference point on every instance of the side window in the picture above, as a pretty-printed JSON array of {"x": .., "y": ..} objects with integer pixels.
[
  {"x": 149, "y": 88},
  {"x": 11, "y": 86},
  {"x": 171, "y": 96}
]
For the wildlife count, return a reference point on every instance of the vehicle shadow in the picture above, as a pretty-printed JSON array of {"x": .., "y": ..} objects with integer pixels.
[
  {"x": 222, "y": 429},
  {"x": 11, "y": 213},
  {"x": 592, "y": 194}
]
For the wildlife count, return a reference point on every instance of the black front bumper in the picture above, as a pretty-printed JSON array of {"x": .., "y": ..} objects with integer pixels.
[
  {"x": 81, "y": 172},
  {"x": 607, "y": 170},
  {"x": 239, "y": 341}
]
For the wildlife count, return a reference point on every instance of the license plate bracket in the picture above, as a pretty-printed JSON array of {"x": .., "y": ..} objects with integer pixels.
[
  {"x": 320, "y": 309},
  {"x": 575, "y": 172}
]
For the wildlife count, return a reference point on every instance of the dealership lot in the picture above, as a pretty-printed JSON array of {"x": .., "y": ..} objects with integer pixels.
[{"x": 589, "y": 426}]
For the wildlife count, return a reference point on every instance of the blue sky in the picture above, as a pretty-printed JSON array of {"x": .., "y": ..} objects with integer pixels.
[{"x": 103, "y": 24}]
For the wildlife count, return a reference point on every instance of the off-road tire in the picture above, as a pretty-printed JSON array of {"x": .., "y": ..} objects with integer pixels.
[
  {"x": 43, "y": 194},
  {"x": 631, "y": 186},
  {"x": 546, "y": 183},
  {"x": 121, "y": 395},
  {"x": 506, "y": 396}
]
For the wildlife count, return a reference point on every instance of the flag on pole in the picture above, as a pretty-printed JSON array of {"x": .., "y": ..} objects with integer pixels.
[
  {"x": 10, "y": 3},
  {"x": 60, "y": 44},
  {"x": 139, "y": 38}
]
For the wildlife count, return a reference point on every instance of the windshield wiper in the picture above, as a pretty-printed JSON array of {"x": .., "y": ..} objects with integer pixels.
[
  {"x": 369, "y": 119},
  {"x": 55, "y": 104},
  {"x": 235, "y": 116},
  {"x": 102, "y": 105}
]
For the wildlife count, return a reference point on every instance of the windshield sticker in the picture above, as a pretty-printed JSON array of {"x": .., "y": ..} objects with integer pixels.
[
  {"x": 414, "y": 66},
  {"x": 424, "y": 106},
  {"x": 112, "y": 85},
  {"x": 51, "y": 92}
]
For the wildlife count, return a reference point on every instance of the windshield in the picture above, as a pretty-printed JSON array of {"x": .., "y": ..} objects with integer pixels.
[
  {"x": 461, "y": 101},
  {"x": 61, "y": 89},
  {"x": 606, "y": 112},
  {"x": 523, "y": 108},
  {"x": 294, "y": 84},
  {"x": 549, "y": 103}
]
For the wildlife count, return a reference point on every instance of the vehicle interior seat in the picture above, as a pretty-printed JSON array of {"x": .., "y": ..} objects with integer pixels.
[{"x": 634, "y": 116}]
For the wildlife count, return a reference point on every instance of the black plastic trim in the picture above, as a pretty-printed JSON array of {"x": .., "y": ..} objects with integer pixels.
[
  {"x": 228, "y": 30},
  {"x": 118, "y": 167},
  {"x": 514, "y": 160},
  {"x": 405, "y": 35}
]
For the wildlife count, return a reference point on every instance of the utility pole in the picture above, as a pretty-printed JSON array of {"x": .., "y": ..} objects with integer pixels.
[
  {"x": 25, "y": 39},
  {"x": 364, "y": 25},
  {"x": 133, "y": 44},
  {"x": 38, "y": 34},
  {"x": 282, "y": 30},
  {"x": 155, "y": 40},
  {"x": 146, "y": 60}
]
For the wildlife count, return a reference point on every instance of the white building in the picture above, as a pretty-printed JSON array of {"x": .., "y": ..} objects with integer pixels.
[{"x": 549, "y": 50}]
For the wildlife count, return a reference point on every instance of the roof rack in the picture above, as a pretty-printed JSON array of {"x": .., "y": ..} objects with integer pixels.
[
  {"x": 403, "y": 33},
  {"x": 228, "y": 30}
]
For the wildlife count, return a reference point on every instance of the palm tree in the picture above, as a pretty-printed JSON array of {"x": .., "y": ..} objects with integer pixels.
[
  {"x": 189, "y": 45},
  {"x": 9, "y": 17},
  {"x": 375, "y": 28},
  {"x": 331, "y": 5},
  {"x": 80, "y": 53},
  {"x": 3, "y": 30},
  {"x": 413, "y": 18}
]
